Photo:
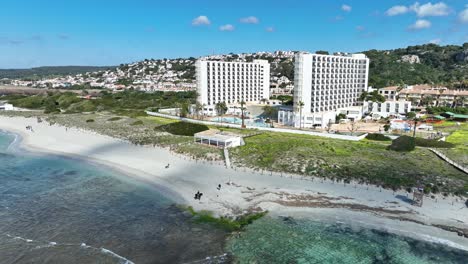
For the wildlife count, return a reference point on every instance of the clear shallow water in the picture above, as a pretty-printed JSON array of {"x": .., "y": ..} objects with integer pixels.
[
  {"x": 276, "y": 240},
  {"x": 60, "y": 210}
]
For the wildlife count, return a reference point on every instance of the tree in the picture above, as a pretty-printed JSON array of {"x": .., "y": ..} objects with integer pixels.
[
  {"x": 300, "y": 106},
  {"x": 412, "y": 116},
  {"x": 427, "y": 100},
  {"x": 242, "y": 103},
  {"x": 221, "y": 108},
  {"x": 323, "y": 52},
  {"x": 270, "y": 112},
  {"x": 198, "y": 109},
  {"x": 353, "y": 127},
  {"x": 184, "y": 109},
  {"x": 373, "y": 96}
]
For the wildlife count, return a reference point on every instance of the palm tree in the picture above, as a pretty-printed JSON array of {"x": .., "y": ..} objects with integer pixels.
[
  {"x": 242, "y": 103},
  {"x": 270, "y": 112},
  {"x": 198, "y": 109},
  {"x": 300, "y": 105},
  {"x": 221, "y": 109}
]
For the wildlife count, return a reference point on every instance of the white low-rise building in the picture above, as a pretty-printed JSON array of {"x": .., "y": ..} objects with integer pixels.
[
  {"x": 218, "y": 139},
  {"x": 387, "y": 108},
  {"x": 7, "y": 107}
]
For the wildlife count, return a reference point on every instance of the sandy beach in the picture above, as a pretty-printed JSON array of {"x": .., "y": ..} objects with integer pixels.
[{"x": 281, "y": 195}]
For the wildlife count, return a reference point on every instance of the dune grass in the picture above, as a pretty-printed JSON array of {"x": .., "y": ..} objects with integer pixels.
[{"x": 365, "y": 161}]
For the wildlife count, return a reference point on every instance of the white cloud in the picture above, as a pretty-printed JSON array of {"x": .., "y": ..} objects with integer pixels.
[
  {"x": 346, "y": 8},
  {"x": 429, "y": 9},
  {"x": 250, "y": 20},
  {"x": 420, "y": 24},
  {"x": 270, "y": 29},
  {"x": 425, "y": 10},
  {"x": 397, "y": 10},
  {"x": 463, "y": 16},
  {"x": 360, "y": 28},
  {"x": 435, "y": 41},
  {"x": 227, "y": 27},
  {"x": 201, "y": 20}
]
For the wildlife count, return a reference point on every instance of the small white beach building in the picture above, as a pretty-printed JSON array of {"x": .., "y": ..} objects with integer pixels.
[{"x": 218, "y": 139}]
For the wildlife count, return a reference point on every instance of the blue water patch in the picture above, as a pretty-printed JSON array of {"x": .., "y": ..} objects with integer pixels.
[
  {"x": 258, "y": 122},
  {"x": 276, "y": 240},
  {"x": 60, "y": 210}
]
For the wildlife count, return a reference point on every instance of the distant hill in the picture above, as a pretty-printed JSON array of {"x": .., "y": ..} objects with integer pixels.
[
  {"x": 428, "y": 63},
  {"x": 43, "y": 72},
  {"x": 422, "y": 64}
]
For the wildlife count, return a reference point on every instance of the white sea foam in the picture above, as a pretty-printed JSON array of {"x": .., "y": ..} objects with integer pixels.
[{"x": 109, "y": 252}]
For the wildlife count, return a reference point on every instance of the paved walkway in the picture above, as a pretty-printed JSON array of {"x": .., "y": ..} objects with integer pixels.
[
  {"x": 453, "y": 163},
  {"x": 226, "y": 158}
]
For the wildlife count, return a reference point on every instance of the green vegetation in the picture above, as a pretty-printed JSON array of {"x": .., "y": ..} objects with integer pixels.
[
  {"x": 441, "y": 109},
  {"x": 364, "y": 161},
  {"x": 127, "y": 103},
  {"x": 439, "y": 64},
  {"x": 431, "y": 143},
  {"x": 378, "y": 137},
  {"x": 373, "y": 96},
  {"x": 41, "y": 72},
  {"x": 159, "y": 120},
  {"x": 227, "y": 224},
  {"x": 403, "y": 143},
  {"x": 182, "y": 128},
  {"x": 137, "y": 123},
  {"x": 115, "y": 118},
  {"x": 221, "y": 108}
]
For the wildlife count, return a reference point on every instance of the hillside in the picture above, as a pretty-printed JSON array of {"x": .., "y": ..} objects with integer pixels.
[
  {"x": 430, "y": 63},
  {"x": 419, "y": 64},
  {"x": 42, "y": 72}
]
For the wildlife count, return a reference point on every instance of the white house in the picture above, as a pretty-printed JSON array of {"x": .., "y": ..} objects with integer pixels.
[{"x": 7, "y": 107}]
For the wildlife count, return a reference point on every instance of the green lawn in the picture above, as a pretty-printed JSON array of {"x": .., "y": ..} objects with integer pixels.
[{"x": 158, "y": 120}]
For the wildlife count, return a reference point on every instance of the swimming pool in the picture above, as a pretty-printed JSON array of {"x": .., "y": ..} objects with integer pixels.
[{"x": 235, "y": 120}]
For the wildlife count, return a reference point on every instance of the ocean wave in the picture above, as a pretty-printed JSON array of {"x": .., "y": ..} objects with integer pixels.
[
  {"x": 48, "y": 244},
  {"x": 210, "y": 259},
  {"x": 109, "y": 252}
]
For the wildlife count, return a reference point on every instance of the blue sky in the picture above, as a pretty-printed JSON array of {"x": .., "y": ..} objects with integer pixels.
[{"x": 103, "y": 32}]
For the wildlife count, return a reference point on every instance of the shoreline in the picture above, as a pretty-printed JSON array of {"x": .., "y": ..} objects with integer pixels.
[{"x": 251, "y": 191}]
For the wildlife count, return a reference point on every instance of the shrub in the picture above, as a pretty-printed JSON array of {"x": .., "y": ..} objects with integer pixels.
[
  {"x": 378, "y": 137},
  {"x": 137, "y": 123},
  {"x": 182, "y": 128},
  {"x": 430, "y": 143},
  {"x": 403, "y": 143},
  {"x": 116, "y": 118},
  {"x": 90, "y": 121}
]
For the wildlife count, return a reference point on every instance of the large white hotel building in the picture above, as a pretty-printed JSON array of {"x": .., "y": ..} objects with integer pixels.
[
  {"x": 232, "y": 82},
  {"x": 326, "y": 85}
]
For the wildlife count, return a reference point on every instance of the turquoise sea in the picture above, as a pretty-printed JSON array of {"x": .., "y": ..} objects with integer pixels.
[{"x": 61, "y": 210}]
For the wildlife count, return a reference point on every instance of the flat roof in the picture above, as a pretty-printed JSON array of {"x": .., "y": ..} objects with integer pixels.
[{"x": 216, "y": 135}]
